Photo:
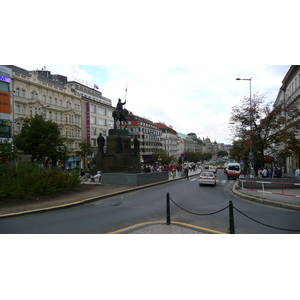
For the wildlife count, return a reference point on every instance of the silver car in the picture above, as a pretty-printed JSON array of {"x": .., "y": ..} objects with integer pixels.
[{"x": 207, "y": 178}]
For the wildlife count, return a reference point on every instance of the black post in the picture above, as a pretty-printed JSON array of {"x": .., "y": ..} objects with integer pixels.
[
  {"x": 231, "y": 218},
  {"x": 168, "y": 210}
]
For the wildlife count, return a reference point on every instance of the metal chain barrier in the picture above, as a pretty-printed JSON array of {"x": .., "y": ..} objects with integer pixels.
[
  {"x": 231, "y": 217},
  {"x": 264, "y": 223},
  {"x": 198, "y": 213}
]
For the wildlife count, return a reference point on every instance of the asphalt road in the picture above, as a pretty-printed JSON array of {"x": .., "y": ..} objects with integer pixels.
[{"x": 145, "y": 205}]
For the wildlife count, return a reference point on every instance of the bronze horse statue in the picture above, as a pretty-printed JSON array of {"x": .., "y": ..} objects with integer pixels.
[{"x": 120, "y": 115}]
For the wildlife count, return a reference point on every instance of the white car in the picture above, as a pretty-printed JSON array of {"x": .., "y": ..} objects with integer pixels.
[{"x": 207, "y": 178}]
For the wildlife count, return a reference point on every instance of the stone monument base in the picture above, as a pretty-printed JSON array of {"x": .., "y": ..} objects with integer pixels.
[{"x": 134, "y": 179}]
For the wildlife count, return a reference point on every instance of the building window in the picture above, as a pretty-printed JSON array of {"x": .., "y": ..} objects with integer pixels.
[
  {"x": 101, "y": 111},
  {"x": 60, "y": 103},
  {"x": 93, "y": 131},
  {"x": 23, "y": 93},
  {"x": 44, "y": 98},
  {"x": 93, "y": 108},
  {"x": 101, "y": 121},
  {"x": 93, "y": 120},
  {"x": 18, "y": 92}
]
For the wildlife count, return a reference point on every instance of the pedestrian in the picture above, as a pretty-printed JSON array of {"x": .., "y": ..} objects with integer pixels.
[
  {"x": 186, "y": 172},
  {"x": 297, "y": 173},
  {"x": 173, "y": 172},
  {"x": 264, "y": 173},
  {"x": 259, "y": 173},
  {"x": 99, "y": 175},
  {"x": 82, "y": 173},
  {"x": 278, "y": 172},
  {"x": 270, "y": 172}
]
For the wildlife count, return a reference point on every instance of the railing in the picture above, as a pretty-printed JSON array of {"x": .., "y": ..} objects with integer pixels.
[{"x": 270, "y": 185}]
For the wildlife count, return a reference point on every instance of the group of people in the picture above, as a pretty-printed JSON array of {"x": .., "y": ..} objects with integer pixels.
[
  {"x": 173, "y": 169},
  {"x": 271, "y": 172},
  {"x": 98, "y": 175}
]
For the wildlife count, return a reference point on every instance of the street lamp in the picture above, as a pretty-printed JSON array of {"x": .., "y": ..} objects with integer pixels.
[{"x": 251, "y": 153}]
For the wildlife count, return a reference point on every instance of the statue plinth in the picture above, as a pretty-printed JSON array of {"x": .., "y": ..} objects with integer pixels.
[{"x": 119, "y": 156}]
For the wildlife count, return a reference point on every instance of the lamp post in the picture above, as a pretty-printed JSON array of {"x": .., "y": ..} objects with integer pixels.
[{"x": 251, "y": 153}]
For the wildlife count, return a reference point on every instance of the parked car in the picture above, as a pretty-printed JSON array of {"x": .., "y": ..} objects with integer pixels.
[{"x": 207, "y": 178}]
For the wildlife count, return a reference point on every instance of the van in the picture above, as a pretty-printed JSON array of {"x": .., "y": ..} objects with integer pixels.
[{"x": 233, "y": 170}]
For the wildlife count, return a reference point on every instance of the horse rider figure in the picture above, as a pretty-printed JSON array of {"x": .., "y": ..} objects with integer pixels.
[{"x": 120, "y": 113}]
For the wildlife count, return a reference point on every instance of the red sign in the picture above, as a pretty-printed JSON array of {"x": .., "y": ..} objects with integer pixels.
[{"x": 5, "y": 103}]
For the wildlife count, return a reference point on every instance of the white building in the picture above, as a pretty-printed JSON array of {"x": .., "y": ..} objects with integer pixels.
[{"x": 288, "y": 93}]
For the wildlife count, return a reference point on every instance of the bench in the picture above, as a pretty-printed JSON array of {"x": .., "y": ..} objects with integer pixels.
[{"x": 94, "y": 177}]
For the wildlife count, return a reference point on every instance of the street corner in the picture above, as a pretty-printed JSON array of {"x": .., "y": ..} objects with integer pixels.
[{"x": 164, "y": 228}]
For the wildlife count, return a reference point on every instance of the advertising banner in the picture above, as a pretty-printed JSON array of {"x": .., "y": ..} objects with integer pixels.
[{"x": 5, "y": 103}]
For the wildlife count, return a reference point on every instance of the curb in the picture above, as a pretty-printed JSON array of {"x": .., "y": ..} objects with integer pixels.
[
  {"x": 148, "y": 224},
  {"x": 264, "y": 200}
]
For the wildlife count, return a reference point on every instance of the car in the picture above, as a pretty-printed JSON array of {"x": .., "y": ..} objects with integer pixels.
[
  {"x": 233, "y": 170},
  {"x": 207, "y": 178}
]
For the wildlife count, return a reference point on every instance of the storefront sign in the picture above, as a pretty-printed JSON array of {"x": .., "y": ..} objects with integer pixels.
[
  {"x": 5, "y": 103},
  {"x": 88, "y": 122},
  {"x": 5, "y": 79}
]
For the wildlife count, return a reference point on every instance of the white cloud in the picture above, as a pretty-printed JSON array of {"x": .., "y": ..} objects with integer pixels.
[{"x": 190, "y": 98}]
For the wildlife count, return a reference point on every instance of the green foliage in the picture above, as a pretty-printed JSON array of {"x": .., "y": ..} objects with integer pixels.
[
  {"x": 41, "y": 139},
  {"x": 222, "y": 153},
  {"x": 269, "y": 128},
  {"x": 160, "y": 156},
  {"x": 85, "y": 150},
  {"x": 23, "y": 180},
  {"x": 196, "y": 156},
  {"x": 7, "y": 151}
]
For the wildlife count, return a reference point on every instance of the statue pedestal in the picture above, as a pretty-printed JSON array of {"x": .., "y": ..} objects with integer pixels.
[{"x": 118, "y": 157}]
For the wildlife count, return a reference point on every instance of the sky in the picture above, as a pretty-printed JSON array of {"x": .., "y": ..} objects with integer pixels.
[
  {"x": 179, "y": 61},
  {"x": 190, "y": 98}
]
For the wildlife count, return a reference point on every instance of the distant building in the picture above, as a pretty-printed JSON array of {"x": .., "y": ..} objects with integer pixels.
[
  {"x": 148, "y": 134},
  {"x": 169, "y": 140}
]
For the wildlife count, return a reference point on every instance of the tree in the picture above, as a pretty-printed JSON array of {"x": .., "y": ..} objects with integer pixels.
[
  {"x": 265, "y": 126},
  {"x": 42, "y": 140},
  {"x": 222, "y": 153},
  {"x": 7, "y": 151},
  {"x": 161, "y": 157},
  {"x": 85, "y": 150}
]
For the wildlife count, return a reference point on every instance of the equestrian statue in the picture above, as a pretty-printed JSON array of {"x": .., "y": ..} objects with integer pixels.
[{"x": 120, "y": 114}]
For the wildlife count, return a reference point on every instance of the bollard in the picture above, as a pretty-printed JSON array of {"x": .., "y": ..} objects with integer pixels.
[
  {"x": 231, "y": 218},
  {"x": 168, "y": 210}
]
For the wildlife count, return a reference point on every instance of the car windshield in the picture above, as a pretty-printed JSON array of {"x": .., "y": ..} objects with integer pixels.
[{"x": 233, "y": 168}]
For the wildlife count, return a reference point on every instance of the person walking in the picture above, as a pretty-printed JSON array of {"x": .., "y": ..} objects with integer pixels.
[
  {"x": 278, "y": 172},
  {"x": 186, "y": 172},
  {"x": 297, "y": 173},
  {"x": 264, "y": 173}
]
